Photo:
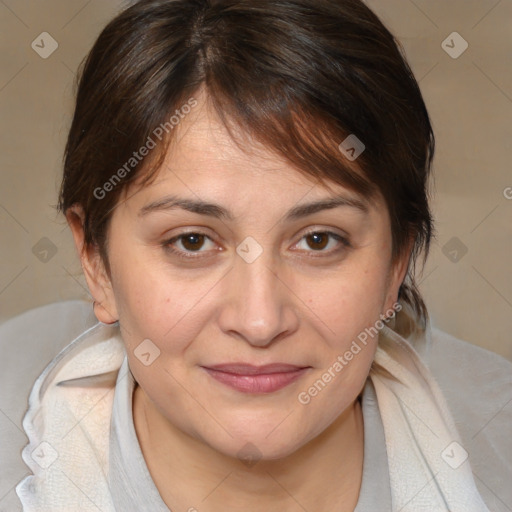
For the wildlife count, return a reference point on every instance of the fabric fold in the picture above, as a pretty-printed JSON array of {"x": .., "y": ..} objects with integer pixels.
[
  {"x": 68, "y": 425},
  {"x": 429, "y": 467}
]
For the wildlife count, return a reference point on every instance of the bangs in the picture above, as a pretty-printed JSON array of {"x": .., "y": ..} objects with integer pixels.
[{"x": 309, "y": 141}]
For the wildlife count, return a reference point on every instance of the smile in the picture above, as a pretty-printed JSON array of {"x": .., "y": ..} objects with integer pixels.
[{"x": 252, "y": 379}]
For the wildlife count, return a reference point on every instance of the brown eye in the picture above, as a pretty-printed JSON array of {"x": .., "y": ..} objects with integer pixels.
[
  {"x": 192, "y": 241},
  {"x": 189, "y": 245},
  {"x": 317, "y": 241}
]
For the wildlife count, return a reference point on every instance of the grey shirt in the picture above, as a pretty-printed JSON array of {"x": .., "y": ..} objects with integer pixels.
[
  {"x": 132, "y": 487},
  {"x": 476, "y": 383}
]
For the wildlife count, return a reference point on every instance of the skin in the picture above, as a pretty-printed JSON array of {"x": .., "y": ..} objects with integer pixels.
[{"x": 302, "y": 301}]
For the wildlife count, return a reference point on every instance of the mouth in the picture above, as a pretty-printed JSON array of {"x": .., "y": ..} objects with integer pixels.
[{"x": 256, "y": 379}]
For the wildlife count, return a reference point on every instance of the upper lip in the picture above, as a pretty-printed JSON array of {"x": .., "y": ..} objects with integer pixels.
[{"x": 249, "y": 369}]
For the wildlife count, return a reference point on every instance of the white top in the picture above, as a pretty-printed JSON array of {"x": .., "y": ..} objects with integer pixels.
[
  {"x": 133, "y": 489},
  {"x": 476, "y": 383}
]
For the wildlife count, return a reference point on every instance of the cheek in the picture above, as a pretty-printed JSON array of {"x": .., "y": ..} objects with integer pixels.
[
  {"x": 350, "y": 307},
  {"x": 163, "y": 308},
  {"x": 351, "y": 300}
]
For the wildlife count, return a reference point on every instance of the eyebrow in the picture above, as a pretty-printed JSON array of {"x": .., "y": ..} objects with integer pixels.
[{"x": 219, "y": 212}]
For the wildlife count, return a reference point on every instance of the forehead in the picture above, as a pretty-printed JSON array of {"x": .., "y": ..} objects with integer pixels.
[
  {"x": 202, "y": 138},
  {"x": 205, "y": 161}
]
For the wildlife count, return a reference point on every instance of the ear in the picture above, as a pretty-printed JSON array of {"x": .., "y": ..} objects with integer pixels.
[
  {"x": 397, "y": 275},
  {"x": 98, "y": 281}
]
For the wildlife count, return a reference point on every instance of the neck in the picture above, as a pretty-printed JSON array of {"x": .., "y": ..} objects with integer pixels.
[{"x": 324, "y": 474}]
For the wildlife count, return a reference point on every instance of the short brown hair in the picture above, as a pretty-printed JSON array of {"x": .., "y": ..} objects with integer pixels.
[{"x": 300, "y": 76}]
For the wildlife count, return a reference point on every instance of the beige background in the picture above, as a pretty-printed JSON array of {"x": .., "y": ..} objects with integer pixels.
[{"x": 469, "y": 99}]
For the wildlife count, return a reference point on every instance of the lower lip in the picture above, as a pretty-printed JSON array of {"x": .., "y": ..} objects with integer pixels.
[{"x": 263, "y": 383}]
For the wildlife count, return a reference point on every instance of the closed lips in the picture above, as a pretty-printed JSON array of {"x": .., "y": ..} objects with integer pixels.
[
  {"x": 246, "y": 369},
  {"x": 256, "y": 379}
]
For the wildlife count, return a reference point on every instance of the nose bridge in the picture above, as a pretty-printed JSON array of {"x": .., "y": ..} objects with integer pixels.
[{"x": 257, "y": 307}]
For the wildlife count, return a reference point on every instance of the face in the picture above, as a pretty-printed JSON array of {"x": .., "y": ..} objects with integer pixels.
[{"x": 247, "y": 280}]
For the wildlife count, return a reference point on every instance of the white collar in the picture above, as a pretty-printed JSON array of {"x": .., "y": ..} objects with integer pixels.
[{"x": 70, "y": 409}]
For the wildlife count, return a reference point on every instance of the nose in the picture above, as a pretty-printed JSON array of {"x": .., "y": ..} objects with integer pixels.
[{"x": 258, "y": 307}]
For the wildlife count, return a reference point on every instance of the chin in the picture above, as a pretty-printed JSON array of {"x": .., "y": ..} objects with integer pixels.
[{"x": 254, "y": 446}]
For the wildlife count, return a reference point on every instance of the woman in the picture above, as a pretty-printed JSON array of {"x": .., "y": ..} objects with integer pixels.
[{"x": 246, "y": 183}]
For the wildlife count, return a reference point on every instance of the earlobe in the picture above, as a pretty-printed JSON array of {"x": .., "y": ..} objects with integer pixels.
[
  {"x": 96, "y": 276},
  {"x": 102, "y": 314}
]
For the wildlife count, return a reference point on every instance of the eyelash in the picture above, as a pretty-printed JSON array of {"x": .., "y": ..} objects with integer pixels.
[{"x": 345, "y": 242}]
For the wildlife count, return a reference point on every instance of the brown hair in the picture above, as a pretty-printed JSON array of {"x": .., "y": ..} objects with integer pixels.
[{"x": 297, "y": 75}]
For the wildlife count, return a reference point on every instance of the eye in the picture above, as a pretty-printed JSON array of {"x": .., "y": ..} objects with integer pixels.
[
  {"x": 319, "y": 240},
  {"x": 191, "y": 242}
]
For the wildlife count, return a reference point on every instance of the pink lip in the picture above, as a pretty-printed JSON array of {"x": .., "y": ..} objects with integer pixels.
[{"x": 256, "y": 379}]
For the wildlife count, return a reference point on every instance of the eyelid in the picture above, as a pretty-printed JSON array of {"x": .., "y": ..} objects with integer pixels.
[
  {"x": 168, "y": 244},
  {"x": 343, "y": 238},
  {"x": 326, "y": 230}
]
